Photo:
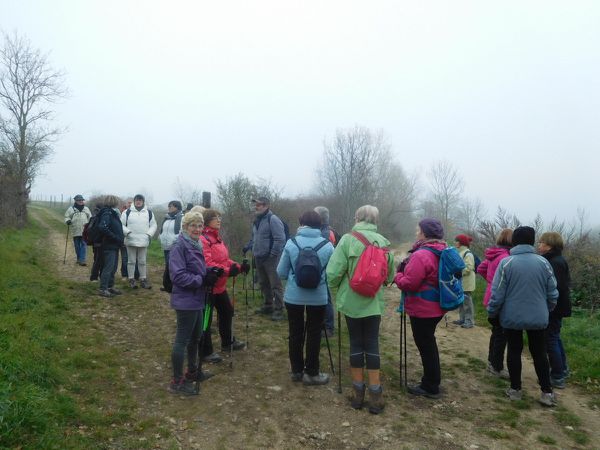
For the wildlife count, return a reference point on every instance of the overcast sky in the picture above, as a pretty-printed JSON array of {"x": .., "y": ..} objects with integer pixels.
[{"x": 508, "y": 91}]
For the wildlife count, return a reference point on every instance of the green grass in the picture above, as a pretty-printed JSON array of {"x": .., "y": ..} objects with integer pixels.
[{"x": 52, "y": 361}]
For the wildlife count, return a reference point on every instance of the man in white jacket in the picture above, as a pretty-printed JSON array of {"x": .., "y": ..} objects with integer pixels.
[
  {"x": 139, "y": 226},
  {"x": 76, "y": 217}
]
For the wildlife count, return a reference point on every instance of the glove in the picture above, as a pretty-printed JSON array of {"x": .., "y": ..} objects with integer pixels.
[
  {"x": 234, "y": 270},
  {"x": 245, "y": 267},
  {"x": 211, "y": 277},
  {"x": 494, "y": 321},
  {"x": 245, "y": 249},
  {"x": 69, "y": 222}
]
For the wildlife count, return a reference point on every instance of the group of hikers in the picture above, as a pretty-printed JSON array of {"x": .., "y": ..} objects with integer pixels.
[{"x": 526, "y": 290}]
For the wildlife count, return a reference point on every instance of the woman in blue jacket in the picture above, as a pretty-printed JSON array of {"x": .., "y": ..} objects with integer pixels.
[{"x": 298, "y": 299}]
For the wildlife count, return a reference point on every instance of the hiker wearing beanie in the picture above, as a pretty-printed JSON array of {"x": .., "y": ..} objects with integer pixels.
[
  {"x": 169, "y": 230},
  {"x": 76, "y": 216},
  {"x": 523, "y": 293},
  {"x": 487, "y": 269},
  {"x": 363, "y": 314},
  {"x": 466, "y": 315},
  {"x": 216, "y": 254},
  {"x": 139, "y": 226},
  {"x": 417, "y": 278}
]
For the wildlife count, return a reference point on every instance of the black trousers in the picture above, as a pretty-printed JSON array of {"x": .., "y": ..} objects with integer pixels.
[
  {"x": 224, "y": 309},
  {"x": 97, "y": 264},
  {"x": 497, "y": 347},
  {"x": 423, "y": 331},
  {"x": 537, "y": 348},
  {"x": 364, "y": 342},
  {"x": 301, "y": 332}
]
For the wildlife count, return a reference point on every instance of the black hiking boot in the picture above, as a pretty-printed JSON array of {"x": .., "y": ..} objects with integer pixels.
[
  {"x": 358, "y": 396},
  {"x": 182, "y": 386}
]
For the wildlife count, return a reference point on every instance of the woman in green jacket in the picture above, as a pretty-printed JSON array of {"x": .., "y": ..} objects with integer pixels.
[{"x": 363, "y": 314}]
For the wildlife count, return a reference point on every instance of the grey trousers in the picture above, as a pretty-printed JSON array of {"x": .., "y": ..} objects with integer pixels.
[
  {"x": 465, "y": 311},
  {"x": 269, "y": 281}
]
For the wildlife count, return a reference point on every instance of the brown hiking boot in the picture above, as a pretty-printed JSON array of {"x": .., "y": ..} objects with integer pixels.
[
  {"x": 358, "y": 396},
  {"x": 376, "y": 403}
]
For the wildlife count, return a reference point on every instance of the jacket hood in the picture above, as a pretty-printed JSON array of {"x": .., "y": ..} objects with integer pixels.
[
  {"x": 522, "y": 248},
  {"x": 309, "y": 232},
  {"x": 496, "y": 252}
]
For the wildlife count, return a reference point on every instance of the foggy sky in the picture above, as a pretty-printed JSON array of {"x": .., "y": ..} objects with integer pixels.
[{"x": 507, "y": 91}]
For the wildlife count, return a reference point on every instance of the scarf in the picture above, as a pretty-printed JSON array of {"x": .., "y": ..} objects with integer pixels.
[
  {"x": 78, "y": 207},
  {"x": 196, "y": 244}
]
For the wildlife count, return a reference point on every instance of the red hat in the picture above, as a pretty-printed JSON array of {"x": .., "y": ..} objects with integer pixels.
[{"x": 463, "y": 239}]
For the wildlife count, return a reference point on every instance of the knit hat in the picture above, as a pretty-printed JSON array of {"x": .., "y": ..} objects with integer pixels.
[
  {"x": 78, "y": 197},
  {"x": 210, "y": 214},
  {"x": 139, "y": 197},
  {"x": 432, "y": 228},
  {"x": 523, "y": 235},
  {"x": 463, "y": 239}
]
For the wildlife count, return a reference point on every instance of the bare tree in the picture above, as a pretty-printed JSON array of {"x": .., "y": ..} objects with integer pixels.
[
  {"x": 28, "y": 88},
  {"x": 470, "y": 212},
  {"x": 187, "y": 193},
  {"x": 350, "y": 172},
  {"x": 446, "y": 188}
]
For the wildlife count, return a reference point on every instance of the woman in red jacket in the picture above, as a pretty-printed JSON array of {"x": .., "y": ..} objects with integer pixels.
[
  {"x": 217, "y": 255},
  {"x": 417, "y": 277}
]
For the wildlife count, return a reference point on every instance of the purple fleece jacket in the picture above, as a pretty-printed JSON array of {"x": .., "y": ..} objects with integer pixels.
[{"x": 187, "y": 268}]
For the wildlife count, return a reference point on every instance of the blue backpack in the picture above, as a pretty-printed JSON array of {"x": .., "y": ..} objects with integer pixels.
[{"x": 450, "y": 270}]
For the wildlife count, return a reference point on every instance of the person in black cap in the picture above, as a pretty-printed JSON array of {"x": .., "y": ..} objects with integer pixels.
[
  {"x": 76, "y": 217},
  {"x": 267, "y": 242},
  {"x": 523, "y": 293}
]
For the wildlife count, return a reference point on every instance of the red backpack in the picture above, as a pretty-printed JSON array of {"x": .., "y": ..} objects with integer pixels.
[{"x": 371, "y": 270}]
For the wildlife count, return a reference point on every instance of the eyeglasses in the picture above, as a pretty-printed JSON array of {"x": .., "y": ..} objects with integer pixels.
[{"x": 196, "y": 225}]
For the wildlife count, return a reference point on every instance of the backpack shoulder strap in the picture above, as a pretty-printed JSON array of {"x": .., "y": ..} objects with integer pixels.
[
  {"x": 321, "y": 245},
  {"x": 432, "y": 250},
  {"x": 149, "y": 215},
  {"x": 127, "y": 215},
  {"x": 361, "y": 238},
  {"x": 295, "y": 242}
]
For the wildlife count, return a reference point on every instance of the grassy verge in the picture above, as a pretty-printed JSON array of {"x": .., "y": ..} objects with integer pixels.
[{"x": 52, "y": 362}]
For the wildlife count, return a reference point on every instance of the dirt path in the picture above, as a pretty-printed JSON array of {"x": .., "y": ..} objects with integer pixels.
[{"x": 254, "y": 404}]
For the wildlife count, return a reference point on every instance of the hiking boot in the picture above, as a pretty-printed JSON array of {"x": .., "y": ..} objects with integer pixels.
[
  {"x": 145, "y": 284},
  {"x": 416, "y": 389},
  {"x": 277, "y": 315},
  {"x": 265, "y": 309},
  {"x": 514, "y": 394},
  {"x": 296, "y": 376},
  {"x": 81, "y": 263},
  {"x": 235, "y": 345},
  {"x": 376, "y": 403},
  {"x": 196, "y": 375},
  {"x": 498, "y": 373},
  {"x": 132, "y": 284},
  {"x": 558, "y": 383},
  {"x": 105, "y": 293},
  {"x": 114, "y": 291},
  {"x": 213, "y": 358},
  {"x": 183, "y": 386},
  {"x": 467, "y": 325},
  {"x": 548, "y": 399},
  {"x": 458, "y": 322},
  {"x": 358, "y": 396},
  {"x": 315, "y": 380}
]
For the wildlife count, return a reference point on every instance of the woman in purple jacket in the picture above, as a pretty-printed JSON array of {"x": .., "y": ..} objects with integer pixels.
[
  {"x": 190, "y": 278},
  {"x": 487, "y": 269}
]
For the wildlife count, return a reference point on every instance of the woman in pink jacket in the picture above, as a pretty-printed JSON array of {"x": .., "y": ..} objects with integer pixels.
[
  {"x": 417, "y": 277},
  {"x": 487, "y": 269},
  {"x": 217, "y": 255}
]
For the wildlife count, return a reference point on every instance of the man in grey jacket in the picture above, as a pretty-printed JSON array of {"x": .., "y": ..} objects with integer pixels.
[
  {"x": 523, "y": 294},
  {"x": 268, "y": 240}
]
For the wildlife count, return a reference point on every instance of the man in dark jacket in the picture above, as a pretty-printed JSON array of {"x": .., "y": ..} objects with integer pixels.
[
  {"x": 112, "y": 240},
  {"x": 268, "y": 240}
]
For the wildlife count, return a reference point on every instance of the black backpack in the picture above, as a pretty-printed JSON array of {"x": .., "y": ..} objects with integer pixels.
[
  {"x": 307, "y": 269},
  {"x": 91, "y": 231}
]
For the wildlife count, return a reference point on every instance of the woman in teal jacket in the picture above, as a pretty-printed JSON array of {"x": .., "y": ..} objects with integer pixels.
[
  {"x": 297, "y": 299},
  {"x": 363, "y": 314}
]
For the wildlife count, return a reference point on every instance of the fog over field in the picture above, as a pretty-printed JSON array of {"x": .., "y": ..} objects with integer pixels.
[{"x": 509, "y": 92}]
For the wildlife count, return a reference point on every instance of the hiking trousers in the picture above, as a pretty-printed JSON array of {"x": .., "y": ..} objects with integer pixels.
[
  {"x": 301, "y": 332},
  {"x": 189, "y": 324},
  {"x": 496, "y": 348},
  {"x": 556, "y": 351},
  {"x": 364, "y": 341},
  {"x": 270, "y": 283},
  {"x": 466, "y": 310},
  {"x": 222, "y": 304},
  {"x": 537, "y": 348},
  {"x": 136, "y": 255},
  {"x": 423, "y": 331}
]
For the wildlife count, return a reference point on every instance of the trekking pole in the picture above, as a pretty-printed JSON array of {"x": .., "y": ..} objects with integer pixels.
[
  {"x": 339, "y": 352},
  {"x": 405, "y": 359},
  {"x": 401, "y": 348},
  {"x": 208, "y": 301},
  {"x": 66, "y": 243},
  {"x": 232, "y": 316},
  {"x": 245, "y": 286},
  {"x": 329, "y": 351}
]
